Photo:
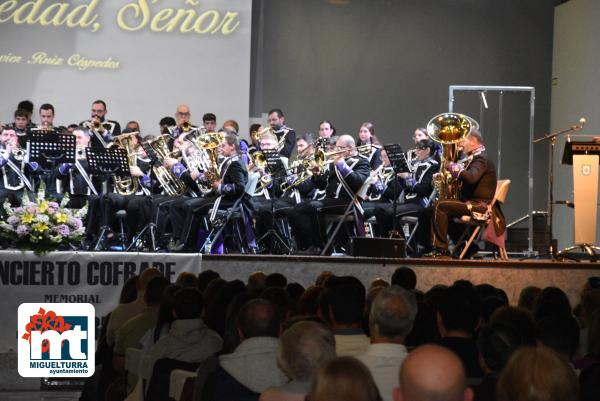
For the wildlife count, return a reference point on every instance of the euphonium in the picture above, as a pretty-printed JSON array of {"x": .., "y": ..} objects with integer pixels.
[
  {"x": 127, "y": 185},
  {"x": 449, "y": 129},
  {"x": 171, "y": 184},
  {"x": 209, "y": 142}
]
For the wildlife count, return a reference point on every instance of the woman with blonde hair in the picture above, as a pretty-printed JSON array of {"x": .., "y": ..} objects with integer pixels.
[
  {"x": 344, "y": 379},
  {"x": 537, "y": 374}
]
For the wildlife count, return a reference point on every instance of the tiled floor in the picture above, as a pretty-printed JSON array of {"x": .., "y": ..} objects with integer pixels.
[{"x": 39, "y": 396}]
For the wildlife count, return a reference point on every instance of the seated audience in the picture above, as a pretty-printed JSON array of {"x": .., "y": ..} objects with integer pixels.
[
  {"x": 537, "y": 374},
  {"x": 252, "y": 367},
  {"x": 391, "y": 319},
  {"x": 344, "y": 379},
  {"x": 431, "y": 372},
  {"x": 405, "y": 277},
  {"x": 303, "y": 348}
]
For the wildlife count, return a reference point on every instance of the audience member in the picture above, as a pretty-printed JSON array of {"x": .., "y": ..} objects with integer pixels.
[
  {"x": 390, "y": 321},
  {"x": 489, "y": 305},
  {"x": 187, "y": 280},
  {"x": 129, "y": 290},
  {"x": 256, "y": 281},
  {"x": 528, "y": 297},
  {"x": 552, "y": 301},
  {"x": 124, "y": 312},
  {"x": 275, "y": 280},
  {"x": 593, "y": 341},
  {"x": 496, "y": 343},
  {"x": 217, "y": 310},
  {"x": 281, "y": 299},
  {"x": 458, "y": 317},
  {"x": 165, "y": 317},
  {"x": 378, "y": 282},
  {"x": 405, "y": 277},
  {"x": 322, "y": 278},
  {"x": 431, "y": 372},
  {"x": 295, "y": 291},
  {"x": 252, "y": 367},
  {"x": 343, "y": 306},
  {"x": 309, "y": 301},
  {"x": 344, "y": 379},
  {"x": 537, "y": 374},
  {"x": 303, "y": 348},
  {"x": 189, "y": 339},
  {"x": 590, "y": 303},
  {"x": 205, "y": 277},
  {"x": 561, "y": 334},
  {"x": 519, "y": 319},
  {"x": 425, "y": 329}
]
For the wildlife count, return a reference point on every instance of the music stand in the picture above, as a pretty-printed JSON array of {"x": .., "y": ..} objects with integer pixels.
[
  {"x": 399, "y": 165},
  {"x": 105, "y": 162},
  {"x": 273, "y": 159},
  {"x": 48, "y": 149},
  {"x": 151, "y": 226}
]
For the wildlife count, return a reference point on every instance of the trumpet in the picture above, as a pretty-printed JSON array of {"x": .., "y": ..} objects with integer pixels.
[{"x": 17, "y": 152}]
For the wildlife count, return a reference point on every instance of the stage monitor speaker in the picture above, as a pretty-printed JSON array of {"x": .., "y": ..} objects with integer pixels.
[{"x": 379, "y": 247}]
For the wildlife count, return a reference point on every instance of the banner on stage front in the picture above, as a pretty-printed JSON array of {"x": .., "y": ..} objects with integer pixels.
[{"x": 76, "y": 277}]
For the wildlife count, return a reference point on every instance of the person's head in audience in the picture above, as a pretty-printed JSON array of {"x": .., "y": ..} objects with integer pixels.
[
  {"x": 188, "y": 304},
  {"x": 594, "y": 335},
  {"x": 145, "y": 278},
  {"x": 552, "y": 301},
  {"x": 187, "y": 280},
  {"x": 258, "y": 318},
  {"x": 459, "y": 311},
  {"x": 528, "y": 296},
  {"x": 129, "y": 290},
  {"x": 279, "y": 297},
  {"x": 256, "y": 281},
  {"x": 431, "y": 372},
  {"x": 537, "y": 374},
  {"x": 392, "y": 315},
  {"x": 425, "y": 329},
  {"x": 231, "y": 339},
  {"x": 165, "y": 311},
  {"x": 371, "y": 295},
  {"x": 560, "y": 333},
  {"x": 275, "y": 280},
  {"x": 379, "y": 282},
  {"x": 405, "y": 277},
  {"x": 519, "y": 319},
  {"x": 434, "y": 296},
  {"x": 590, "y": 302},
  {"x": 496, "y": 343},
  {"x": 344, "y": 379},
  {"x": 344, "y": 303},
  {"x": 210, "y": 293},
  {"x": 309, "y": 301},
  {"x": 489, "y": 305},
  {"x": 589, "y": 390},
  {"x": 154, "y": 291},
  {"x": 322, "y": 277},
  {"x": 295, "y": 291},
  {"x": 205, "y": 277},
  {"x": 303, "y": 348},
  {"x": 217, "y": 311}
]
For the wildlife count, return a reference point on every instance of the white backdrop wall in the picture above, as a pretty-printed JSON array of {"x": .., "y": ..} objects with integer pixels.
[
  {"x": 156, "y": 70},
  {"x": 575, "y": 93}
]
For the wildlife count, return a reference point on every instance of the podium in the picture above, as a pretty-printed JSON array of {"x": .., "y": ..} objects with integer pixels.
[{"x": 584, "y": 156}]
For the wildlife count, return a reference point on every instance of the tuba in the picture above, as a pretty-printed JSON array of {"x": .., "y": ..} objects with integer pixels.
[
  {"x": 172, "y": 185},
  {"x": 449, "y": 129},
  {"x": 126, "y": 185}
]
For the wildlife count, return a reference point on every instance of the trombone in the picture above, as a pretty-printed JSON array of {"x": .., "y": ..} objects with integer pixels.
[{"x": 322, "y": 158}]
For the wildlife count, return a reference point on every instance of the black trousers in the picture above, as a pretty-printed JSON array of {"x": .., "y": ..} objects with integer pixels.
[
  {"x": 308, "y": 223},
  {"x": 443, "y": 213},
  {"x": 384, "y": 214}
]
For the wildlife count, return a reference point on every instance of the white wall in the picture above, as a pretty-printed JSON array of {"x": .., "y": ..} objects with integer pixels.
[
  {"x": 575, "y": 93},
  {"x": 157, "y": 71}
]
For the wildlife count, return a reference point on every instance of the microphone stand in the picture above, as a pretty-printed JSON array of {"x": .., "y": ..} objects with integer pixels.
[{"x": 552, "y": 139}]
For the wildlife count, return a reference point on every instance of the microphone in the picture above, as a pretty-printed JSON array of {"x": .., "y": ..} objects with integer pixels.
[{"x": 582, "y": 121}]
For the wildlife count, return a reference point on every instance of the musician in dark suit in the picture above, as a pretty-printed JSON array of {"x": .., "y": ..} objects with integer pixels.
[
  {"x": 478, "y": 179},
  {"x": 285, "y": 135},
  {"x": 343, "y": 180},
  {"x": 228, "y": 187},
  {"x": 108, "y": 128}
]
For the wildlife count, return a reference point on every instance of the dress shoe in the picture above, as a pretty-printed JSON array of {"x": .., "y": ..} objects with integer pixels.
[{"x": 439, "y": 254}]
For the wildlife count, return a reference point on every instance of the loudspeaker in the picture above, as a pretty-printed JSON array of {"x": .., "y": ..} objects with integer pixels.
[{"x": 379, "y": 247}]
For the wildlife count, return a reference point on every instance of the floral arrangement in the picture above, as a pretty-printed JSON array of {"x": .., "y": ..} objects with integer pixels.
[{"x": 42, "y": 226}]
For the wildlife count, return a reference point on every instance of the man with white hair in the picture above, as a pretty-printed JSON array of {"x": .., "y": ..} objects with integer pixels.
[
  {"x": 391, "y": 320},
  {"x": 344, "y": 178}
]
